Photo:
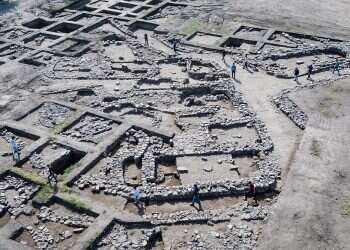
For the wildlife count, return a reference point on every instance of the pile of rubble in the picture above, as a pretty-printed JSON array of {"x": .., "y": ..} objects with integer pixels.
[
  {"x": 52, "y": 114},
  {"x": 79, "y": 221},
  {"x": 239, "y": 236},
  {"x": 45, "y": 239},
  {"x": 89, "y": 129},
  {"x": 244, "y": 211},
  {"x": 293, "y": 111},
  {"x": 118, "y": 238},
  {"x": 14, "y": 194}
]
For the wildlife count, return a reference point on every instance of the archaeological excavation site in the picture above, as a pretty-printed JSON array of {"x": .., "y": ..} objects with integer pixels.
[{"x": 174, "y": 125}]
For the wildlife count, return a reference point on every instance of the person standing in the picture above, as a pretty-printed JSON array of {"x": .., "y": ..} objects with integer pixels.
[
  {"x": 309, "y": 71},
  {"x": 175, "y": 46},
  {"x": 195, "y": 196},
  {"x": 15, "y": 149},
  {"x": 52, "y": 176},
  {"x": 337, "y": 66},
  {"x": 146, "y": 40},
  {"x": 251, "y": 192},
  {"x": 233, "y": 70},
  {"x": 136, "y": 195},
  {"x": 296, "y": 74},
  {"x": 245, "y": 62},
  {"x": 223, "y": 55},
  {"x": 188, "y": 64}
]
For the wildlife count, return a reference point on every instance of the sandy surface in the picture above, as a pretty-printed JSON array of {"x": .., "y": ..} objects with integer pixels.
[{"x": 311, "y": 210}]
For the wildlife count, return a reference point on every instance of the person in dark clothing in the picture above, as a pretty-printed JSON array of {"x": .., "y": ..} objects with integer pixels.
[
  {"x": 252, "y": 192},
  {"x": 108, "y": 170},
  {"x": 223, "y": 55},
  {"x": 146, "y": 40},
  {"x": 233, "y": 70},
  {"x": 309, "y": 71},
  {"x": 52, "y": 176},
  {"x": 337, "y": 66},
  {"x": 296, "y": 74},
  {"x": 175, "y": 46},
  {"x": 245, "y": 62},
  {"x": 195, "y": 196}
]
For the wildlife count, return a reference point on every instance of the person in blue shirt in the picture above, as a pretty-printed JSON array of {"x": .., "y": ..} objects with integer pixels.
[
  {"x": 136, "y": 195},
  {"x": 233, "y": 69},
  {"x": 337, "y": 66},
  {"x": 14, "y": 149},
  {"x": 195, "y": 196}
]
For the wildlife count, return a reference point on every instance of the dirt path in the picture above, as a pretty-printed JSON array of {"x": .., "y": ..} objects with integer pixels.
[{"x": 310, "y": 211}]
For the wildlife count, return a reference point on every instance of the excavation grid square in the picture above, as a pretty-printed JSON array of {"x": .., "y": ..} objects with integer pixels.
[
  {"x": 90, "y": 129},
  {"x": 48, "y": 116}
]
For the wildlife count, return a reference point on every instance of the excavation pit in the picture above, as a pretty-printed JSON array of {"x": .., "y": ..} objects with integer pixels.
[
  {"x": 236, "y": 135},
  {"x": 252, "y": 33},
  {"x": 238, "y": 43},
  {"x": 65, "y": 27},
  {"x": 119, "y": 52},
  {"x": 90, "y": 129},
  {"x": 15, "y": 193},
  {"x": 86, "y": 18},
  {"x": 53, "y": 156},
  {"x": 132, "y": 172},
  {"x": 134, "y": 235},
  {"x": 23, "y": 140},
  {"x": 38, "y": 23},
  {"x": 172, "y": 71},
  {"x": 204, "y": 38},
  {"x": 167, "y": 173},
  {"x": 110, "y": 12},
  {"x": 71, "y": 45},
  {"x": 48, "y": 116},
  {"x": 13, "y": 51},
  {"x": 141, "y": 10},
  {"x": 41, "y": 40},
  {"x": 54, "y": 226},
  {"x": 214, "y": 168},
  {"x": 98, "y": 3},
  {"x": 122, "y": 6},
  {"x": 15, "y": 33}
]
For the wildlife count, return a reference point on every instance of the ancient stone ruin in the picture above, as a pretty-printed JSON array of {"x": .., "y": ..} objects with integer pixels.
[{"x": 116, "y": 113}]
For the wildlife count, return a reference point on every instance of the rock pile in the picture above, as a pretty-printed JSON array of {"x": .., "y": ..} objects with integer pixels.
[
  {"x": 52, "y": 114},
  {"x": 14, "y": 194},
  {"x": 89, "y": 129},
  {"x": 119, "y": 238}
]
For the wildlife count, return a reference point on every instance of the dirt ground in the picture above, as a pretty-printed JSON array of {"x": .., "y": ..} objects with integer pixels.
[
  {"x": 315, "y": 16},
  {"x": 313, "y": 208}
]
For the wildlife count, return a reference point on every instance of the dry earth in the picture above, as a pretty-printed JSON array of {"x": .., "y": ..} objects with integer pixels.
[{"x": 313, "y": 207}]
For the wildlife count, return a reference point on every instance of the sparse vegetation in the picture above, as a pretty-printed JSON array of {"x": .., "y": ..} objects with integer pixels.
[
  {"x": 74, "y": 201},
  {"x": 30, "y": 176},
  {"x": 44, "y": 194},
  {"x": 67, "y": 171}
]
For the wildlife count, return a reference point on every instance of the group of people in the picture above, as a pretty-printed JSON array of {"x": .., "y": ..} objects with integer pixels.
[
  {"x": 310, "y": 68},
  {"x": 147, "y": 43}
]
